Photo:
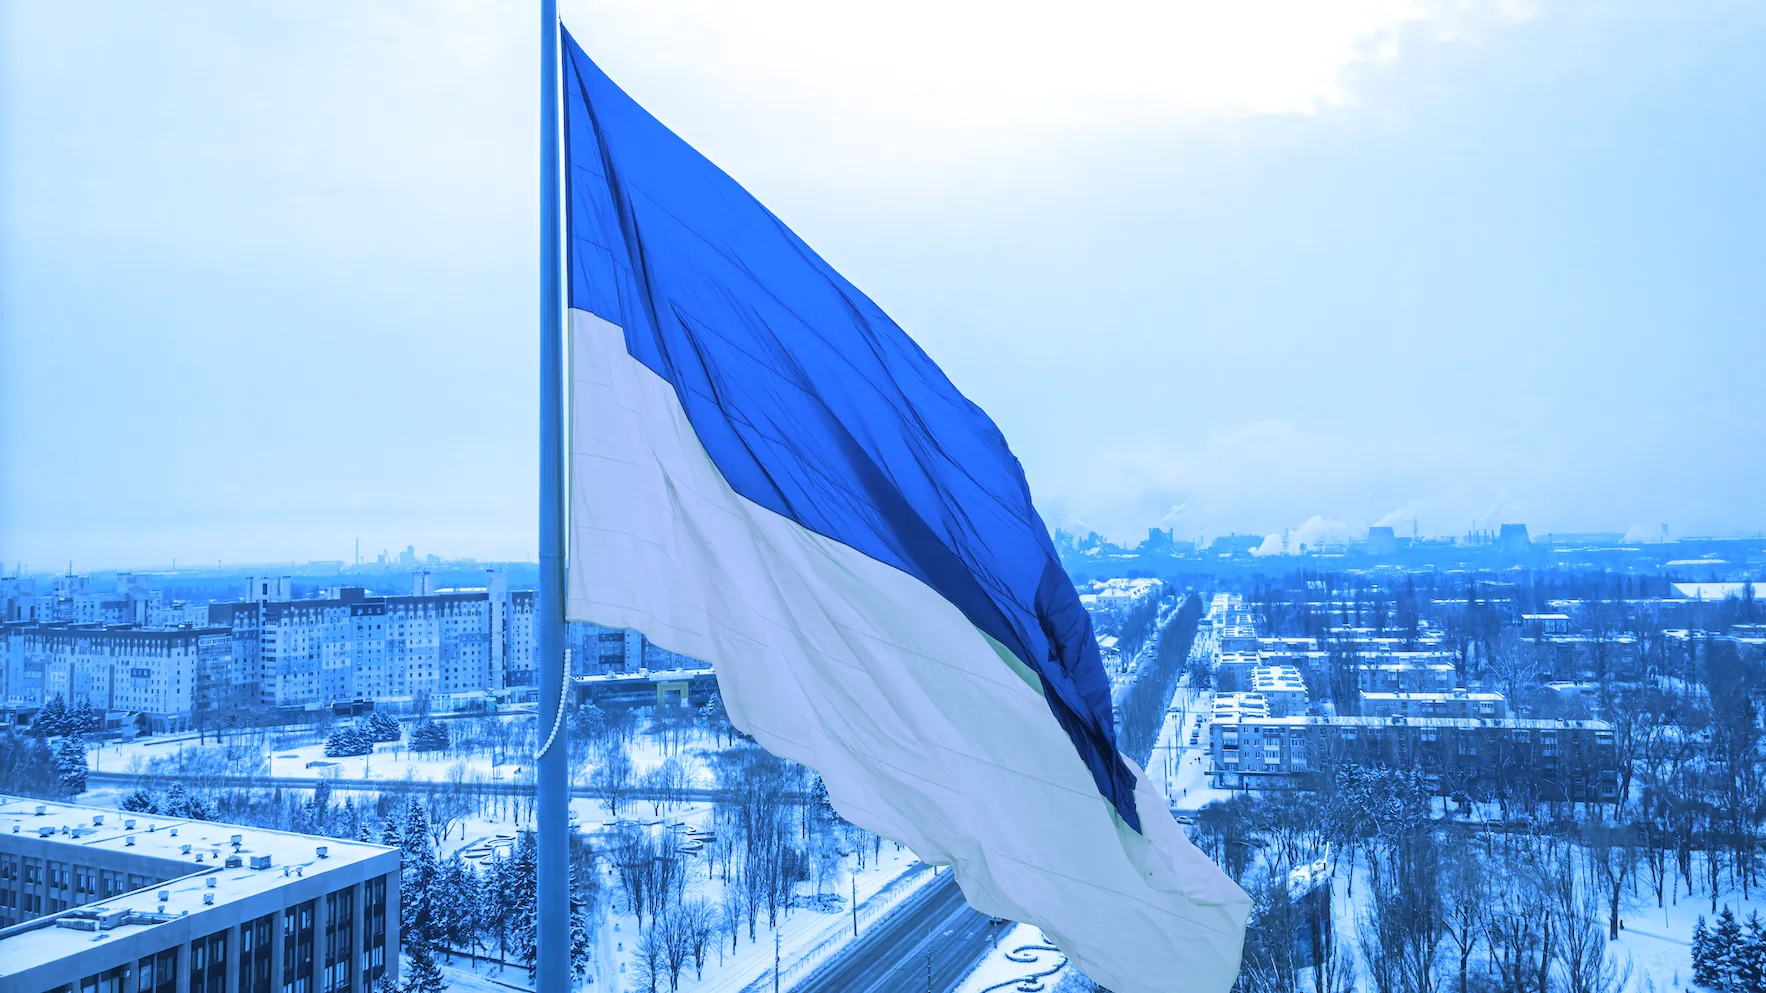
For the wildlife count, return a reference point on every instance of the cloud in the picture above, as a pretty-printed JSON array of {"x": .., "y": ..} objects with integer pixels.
[{"x": 892, "y": 88}]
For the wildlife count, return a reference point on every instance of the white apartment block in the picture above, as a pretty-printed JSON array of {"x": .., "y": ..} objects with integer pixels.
[{"x": 154, "y": 673}]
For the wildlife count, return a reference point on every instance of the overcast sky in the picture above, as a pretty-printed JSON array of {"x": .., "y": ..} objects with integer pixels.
[{"x": 269, "y": 269}]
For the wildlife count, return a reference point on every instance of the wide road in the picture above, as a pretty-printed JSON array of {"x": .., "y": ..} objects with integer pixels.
[{"x": 930, "y": 942}]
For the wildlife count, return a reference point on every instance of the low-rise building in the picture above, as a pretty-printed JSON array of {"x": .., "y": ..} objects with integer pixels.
[
  {"x": 1230, "y": 707},
  {"x": 1282, "y": 687},
  {"x": 1232, "y": 670},
  {"x": 109, "y": 901},
  {"x": 1527, "y": 759},
  {"x": 1405, "y": 677},
  {"x": 1453, "y": 703}
]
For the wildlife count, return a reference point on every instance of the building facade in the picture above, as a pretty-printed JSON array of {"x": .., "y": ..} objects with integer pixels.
[
  {"x": 104, "y": 901},
  {"x": 160, "y": 675},
  {"x": 1523, "y": 759}
]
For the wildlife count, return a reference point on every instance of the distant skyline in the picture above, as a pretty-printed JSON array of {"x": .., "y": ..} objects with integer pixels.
[
  {"x": 267, "y": 272},
  {"x": 1311, "y": 535}
]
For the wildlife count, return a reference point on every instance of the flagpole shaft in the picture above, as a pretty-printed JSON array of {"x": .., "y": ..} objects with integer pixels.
[{"x": 552, "y": 974}]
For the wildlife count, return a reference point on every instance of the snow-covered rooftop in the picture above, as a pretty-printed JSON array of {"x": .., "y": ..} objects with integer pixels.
[{"x": 217, "y": 862}]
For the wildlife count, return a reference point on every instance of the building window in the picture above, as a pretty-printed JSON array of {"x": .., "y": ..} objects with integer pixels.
[
  {"x": 254, "y": 954},
  {"x": 340, "y": 919},
  {"x": 373, "y": 931},
  {"x": 297, "y": 948},
  {"x": 157, "y": 973},
  {"x": 208, "y": 964}
]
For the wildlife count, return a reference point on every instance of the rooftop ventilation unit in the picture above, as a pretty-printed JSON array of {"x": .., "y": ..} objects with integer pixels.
[
  {"x": 324, "y": 851},
  {"x": 174, "y": 832},
  {"x": 208, "y": 899},
  {"x": 93, "y": 920},
  {"x": 44, "y": 832},
  {"x": 129, "y": 842},
  {"x": 233, "y": 862},
  {"x": 97, "y": 819},
  {"x": 260, "y": 861},
  {"x": 237, "y": 839},
  {"x": 129, "y": 824},
  {"x": 41, "y": 810},
  {"x": 164, "y": 895},
  {"x": 183, "y": 849},
  {"x": 210, "y": 882}
]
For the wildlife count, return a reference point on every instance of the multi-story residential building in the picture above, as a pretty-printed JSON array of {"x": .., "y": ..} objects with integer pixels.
[
  {"x": 1453, "y": 703},
  {"x": 441, "y": 645},
  {"x": 1232, "y": 670},
  {"x": 454, "y": 648},
  {"x": 1544, "y": 760},
  {"x": 112, "y": 902},
  {"x": 1405, "y": 677},
  {"x": 157, "y": 674},
  {"x": 1282, "y": 687},
  {"x": 1229, "y": 708}
]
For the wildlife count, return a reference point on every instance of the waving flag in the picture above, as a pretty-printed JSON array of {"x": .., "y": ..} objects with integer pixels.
[{"x": 768, "y": 474}]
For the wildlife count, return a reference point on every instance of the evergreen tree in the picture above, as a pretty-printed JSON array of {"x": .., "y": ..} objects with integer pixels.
[
  {"x": 1727, "y": 950},
  {"x": 458, "y": 894},
  {"x": 140, "y": 802},
  {"x": 382, "y": 727},
  {"x": 521, "y": 884},
  {"x": 588, "y": 723},
  {"x": 1750, "y": 971},
  {"x": 51, "y": 721},
  {"x": 430, "y": 736},
  {"x": 422, "y": 975},
  {"x": 348, "y": 741},
  {"x": 582, "y": 942},
  {"x": 70, "y": 766},
  {"x": 416, "y": 830},
  {"x": 84, "y": 720},
  {"x": 390, "y": 833},
  {"x": 1704, "y": 972},
  {"x": 28, "y": 766},
  {"x": 180, "y": 802},
  {"x": 420, "y": 907},
  {"x": 494, "y": 906}
]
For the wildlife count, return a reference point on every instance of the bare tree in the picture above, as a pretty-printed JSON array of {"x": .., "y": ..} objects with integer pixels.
[
  {"x": 677, "y": 943},
  {"x": 613, "y": 775},
  {"x": 1465, "y": 893}
]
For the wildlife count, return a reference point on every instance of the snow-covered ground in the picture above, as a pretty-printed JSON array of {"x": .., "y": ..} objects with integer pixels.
[
  {"x": 1023, "y": 960},
  {"x": 1657, "y": 943},
  {"x": 393, "y": 760}
]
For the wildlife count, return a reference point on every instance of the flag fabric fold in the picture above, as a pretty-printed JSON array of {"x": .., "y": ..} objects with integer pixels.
[{"x": 768, "y": 474}]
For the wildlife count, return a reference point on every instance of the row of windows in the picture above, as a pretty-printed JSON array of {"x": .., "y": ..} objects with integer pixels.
[{"x": 208, "y": 956}]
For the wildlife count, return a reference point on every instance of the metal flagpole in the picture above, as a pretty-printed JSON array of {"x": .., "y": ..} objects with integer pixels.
[{"x": 551, "y": 775}]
